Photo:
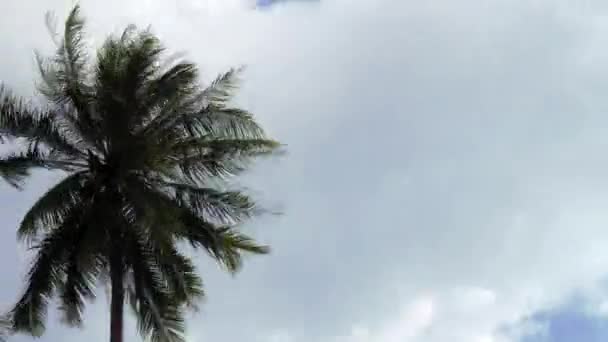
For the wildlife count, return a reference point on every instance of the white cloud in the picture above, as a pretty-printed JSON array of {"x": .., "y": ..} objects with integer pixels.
[
  {"x": 411, "y": 323},
  {"x": 279, "y": 336}
]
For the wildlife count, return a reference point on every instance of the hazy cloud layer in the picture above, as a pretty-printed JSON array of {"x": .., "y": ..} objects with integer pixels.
[{"x": 447, "y": 167}]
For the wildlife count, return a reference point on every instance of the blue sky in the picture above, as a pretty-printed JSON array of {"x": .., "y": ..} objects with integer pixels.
[
  {"x": 446, "y": 174},
  {"x": 569, "y": 325},
  {"x": 568, "y": 322}
]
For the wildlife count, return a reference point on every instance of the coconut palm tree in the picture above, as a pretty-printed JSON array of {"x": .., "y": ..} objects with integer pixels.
[{"x": 148, "y": 156}]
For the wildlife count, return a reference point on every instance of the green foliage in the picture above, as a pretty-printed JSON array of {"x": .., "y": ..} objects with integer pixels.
[{"x": 148, "y": 153}]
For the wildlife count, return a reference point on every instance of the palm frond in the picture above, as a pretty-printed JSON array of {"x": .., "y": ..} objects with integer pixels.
[
  {"x": 144, "y": 204},
  {"x": 180, "y": 80},
  {"x": 221, "y": 90},
  {"x": 13, "y": 172},
  {"x": 85, "y": 263},
  {"x": 111, "y": 103},
  {"x": 202, "y": 159},
  {"x": 219, "y": 122},
  {"x": 182, "y": 221},
  {"x": 45, "y": 275},
  {"x": 66, "y": 82},
  {"x": 126, "y": 66},
  {"x": 225, "y": 207},
  {"x": 206, "y": 113},
  {"x": 230, "y": 123},
  {"x": 177, "y": 271},
  {"x": 224, "y": 243},
  {"x": 5, "y": 326},
  {"x": 212, "y": 145},
  {"x": 184, "y": 283},
  {"x": 167, "y": 95},
  {"x": 17, "y": 165},
  {"x": 63, "y": 75},
  {"x": 74, "y": 52},
  {"x": 81, "y": 273},
  {"x": 50, "y": 209},
  {"x": 142, "y": 59},
  {"x": 159, "y": 314},
  {"x": 19, "y": 119}
]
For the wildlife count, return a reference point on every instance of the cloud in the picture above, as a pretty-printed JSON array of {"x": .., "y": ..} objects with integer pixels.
[
  {"x": 446, "y": 167},
  {"x": 268, "y": 3},
  {"x": 279, "y": 336},
  {"x": 411, "y": 323}
]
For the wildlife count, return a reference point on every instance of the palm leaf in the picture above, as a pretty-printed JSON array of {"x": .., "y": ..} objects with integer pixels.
[
  {"x": 81, "y": 271},
  {"x": 221, "y": 89},
  {"x": 225, "y": 207},
  {"x": 63, "y": 76},
  {"x": 45, "y": 275},
  {"x": 5, "y": 325},
  {"x": 50, "y": 209},
  {"x": 219, "y": 158},
  {"x": 21, "y": 120},
  {"x": 160, "y": 318},
  {"x": 206, "y": 112},
  {"x": 225, "y": 244},
  {"x": 181, "y": 220},
  {"x": 66, "y": 82},
  {"x": 16, "y": 166}
]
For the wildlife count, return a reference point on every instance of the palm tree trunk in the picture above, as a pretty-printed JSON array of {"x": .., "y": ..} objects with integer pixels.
[{"x": 117, "y": 296}]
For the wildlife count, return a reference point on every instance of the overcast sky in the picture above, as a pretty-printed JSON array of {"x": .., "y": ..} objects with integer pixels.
[{"x": 447, "y": 175}]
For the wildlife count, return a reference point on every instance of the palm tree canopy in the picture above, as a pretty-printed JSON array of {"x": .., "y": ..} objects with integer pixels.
[{"x": 147, "y": 154}]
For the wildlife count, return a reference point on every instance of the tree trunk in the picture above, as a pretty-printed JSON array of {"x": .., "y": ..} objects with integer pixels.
[{"x": 117, "y": 296}]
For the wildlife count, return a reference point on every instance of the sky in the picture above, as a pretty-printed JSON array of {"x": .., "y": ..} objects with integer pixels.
[
  {"x": 445, "y": 177},
  {"x": 569, "y": 322}
]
